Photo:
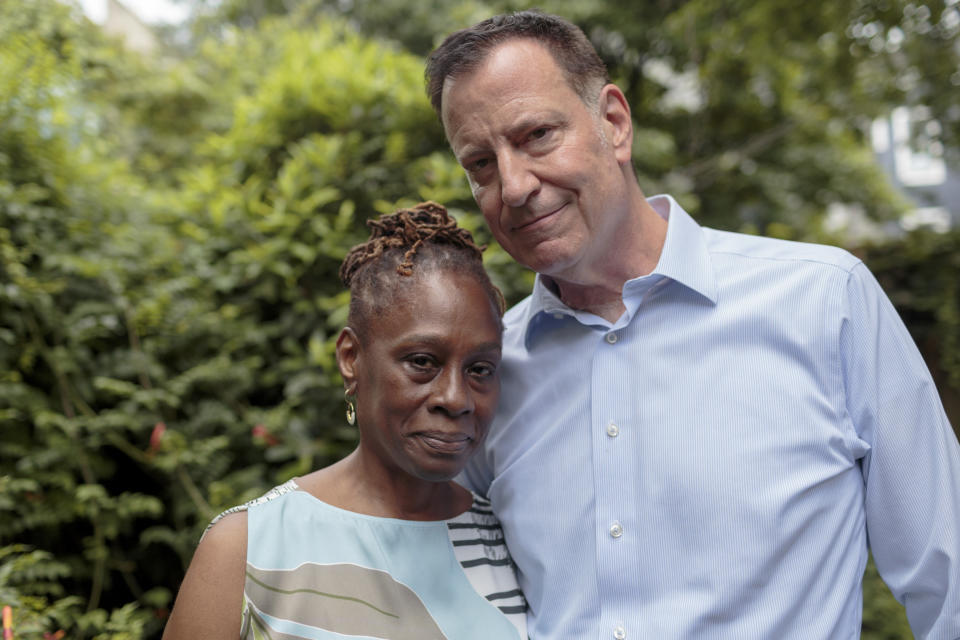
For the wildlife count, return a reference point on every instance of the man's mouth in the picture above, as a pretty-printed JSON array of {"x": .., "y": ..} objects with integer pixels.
[{"x": 536, "y": 220}]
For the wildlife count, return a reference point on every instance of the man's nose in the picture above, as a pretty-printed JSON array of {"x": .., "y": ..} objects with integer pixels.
[{"x": 517, "y": 179}]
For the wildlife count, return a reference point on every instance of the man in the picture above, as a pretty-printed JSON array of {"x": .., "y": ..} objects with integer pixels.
[{"x": 700, "y": 432}]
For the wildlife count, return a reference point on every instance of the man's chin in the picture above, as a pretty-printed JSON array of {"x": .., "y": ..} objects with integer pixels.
[{"x": 551, "y": 264}]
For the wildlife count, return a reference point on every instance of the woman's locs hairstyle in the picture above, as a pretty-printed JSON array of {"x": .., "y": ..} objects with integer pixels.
[
  {"x": 406, "y": 229},
  {"x": 406, "y": 243}
]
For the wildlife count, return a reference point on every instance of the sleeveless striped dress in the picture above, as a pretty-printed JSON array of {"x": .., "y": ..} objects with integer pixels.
[{"x": 319, "y": 572}]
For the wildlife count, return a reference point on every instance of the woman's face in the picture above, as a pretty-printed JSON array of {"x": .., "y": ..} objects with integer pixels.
[{"x": 426, "y": 375}]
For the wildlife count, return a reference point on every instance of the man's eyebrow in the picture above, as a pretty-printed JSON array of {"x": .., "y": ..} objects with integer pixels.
[
  {"x": 524, "y": 124},
  {"x": 468, "y": 152},
  {"x": 467, "y": 149},
  {"x": 531, "y": 121}
]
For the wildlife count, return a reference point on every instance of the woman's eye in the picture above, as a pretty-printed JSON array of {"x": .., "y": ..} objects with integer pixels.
[
  {"x": 421, "y": 362},
  {"x": 483, "y": 370}
]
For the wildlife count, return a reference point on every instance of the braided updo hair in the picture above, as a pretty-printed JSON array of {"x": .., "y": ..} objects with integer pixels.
[{"x": 424, "y": 236}]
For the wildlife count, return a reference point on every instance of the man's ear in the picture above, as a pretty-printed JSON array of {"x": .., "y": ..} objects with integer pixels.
[
  {"x": 348, "y": 356},
  {"x": 617, "y": 125}
]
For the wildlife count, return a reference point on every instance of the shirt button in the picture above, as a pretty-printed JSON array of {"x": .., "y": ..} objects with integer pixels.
[
  {"x": 611, "y": 338},
  {"x": 613, "y": 430},
  {"x": 616, "y": 530},
  {"x": 619, "y": 632},
  {"x": 558, "y": 316}
]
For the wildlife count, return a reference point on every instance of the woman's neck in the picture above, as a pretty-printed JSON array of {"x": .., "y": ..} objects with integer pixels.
[{"x": 355, "y": 484}]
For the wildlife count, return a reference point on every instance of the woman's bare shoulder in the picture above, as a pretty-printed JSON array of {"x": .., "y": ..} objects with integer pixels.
[{"x": 210, "y": 601}]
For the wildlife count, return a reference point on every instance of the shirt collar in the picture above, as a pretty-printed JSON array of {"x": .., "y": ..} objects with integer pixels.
[{"x": 684, "y": 259}]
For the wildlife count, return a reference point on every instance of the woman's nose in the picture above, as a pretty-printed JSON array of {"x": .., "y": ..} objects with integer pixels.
[{"x": 452, "y": 394}]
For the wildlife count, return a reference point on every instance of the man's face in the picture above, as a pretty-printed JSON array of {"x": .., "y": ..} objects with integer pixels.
[{"x": 541, "y": 164}]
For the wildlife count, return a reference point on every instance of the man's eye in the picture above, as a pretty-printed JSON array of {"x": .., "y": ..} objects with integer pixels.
[
  {"x": 478, "y": 165},
  {"x": 536, "y": 134}
]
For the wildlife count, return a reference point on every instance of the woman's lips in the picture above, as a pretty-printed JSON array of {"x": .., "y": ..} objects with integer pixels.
[{"x": 448, "y": 443}]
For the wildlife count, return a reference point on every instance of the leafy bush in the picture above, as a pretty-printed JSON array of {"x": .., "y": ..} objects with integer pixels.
[
  {"x": 166, "y": 348},
  {"x": 170, "y": 232}
]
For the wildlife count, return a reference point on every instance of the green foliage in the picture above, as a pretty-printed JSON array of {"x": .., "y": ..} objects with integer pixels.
[
  {"x": 752, "y": 114},
  {"x": 170, "y": 232},
  {"x": 28, "y": 581},
  {"x": 67, "y": 211},
  {"x": 124, "y": 311},
  {"x": 166, "y": 342},
  {"x": 883, "y": 617},
  {"x": 416, "y": 26},
  {"x": 756, "y": 112}
]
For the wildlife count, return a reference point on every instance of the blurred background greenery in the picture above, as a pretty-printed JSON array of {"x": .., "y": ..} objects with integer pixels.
[{"x": 171, "y": 223}]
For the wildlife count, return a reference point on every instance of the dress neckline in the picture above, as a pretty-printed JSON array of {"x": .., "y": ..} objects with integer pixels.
[{"x": 476, "y": 502}]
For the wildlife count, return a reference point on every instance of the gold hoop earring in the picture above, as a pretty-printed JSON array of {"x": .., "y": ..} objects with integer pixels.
[{"x": 351, "y": 411}]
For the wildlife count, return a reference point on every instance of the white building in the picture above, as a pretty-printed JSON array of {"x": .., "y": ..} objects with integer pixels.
[
  {"x": 123, "y": 23},
  {"x": 921, "y": 174}
]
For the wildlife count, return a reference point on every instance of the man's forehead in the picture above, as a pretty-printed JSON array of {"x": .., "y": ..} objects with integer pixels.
[
  {"x": 511, "y": 55},
  {"x": 514, "y": 71}
]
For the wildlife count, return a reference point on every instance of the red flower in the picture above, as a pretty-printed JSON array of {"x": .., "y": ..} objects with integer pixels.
[
  {"x": 157, "y": 435},
  {"x": 260, "y": 432}
]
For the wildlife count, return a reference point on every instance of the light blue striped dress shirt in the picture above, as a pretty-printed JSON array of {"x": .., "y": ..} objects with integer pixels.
[{"x": 716, "y": 462}]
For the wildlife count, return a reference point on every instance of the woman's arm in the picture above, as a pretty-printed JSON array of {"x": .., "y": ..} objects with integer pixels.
[{"x": 210, "y": 601}]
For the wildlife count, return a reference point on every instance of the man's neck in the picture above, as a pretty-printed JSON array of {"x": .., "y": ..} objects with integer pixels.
[
  {"x": 600, "y": 291},
  {"x": 600, "y": 301}
]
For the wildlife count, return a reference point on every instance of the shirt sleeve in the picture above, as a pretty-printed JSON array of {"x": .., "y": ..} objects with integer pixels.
[
  {"x": 912, "y": 468},
  {"x": 477, "y": 475}
]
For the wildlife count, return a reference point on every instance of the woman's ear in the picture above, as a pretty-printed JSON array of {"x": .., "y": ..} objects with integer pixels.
[{"x": 348, "y": 356}]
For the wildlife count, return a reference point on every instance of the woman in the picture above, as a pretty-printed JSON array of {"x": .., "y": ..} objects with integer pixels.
[{"x": 383, "y": 543}]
